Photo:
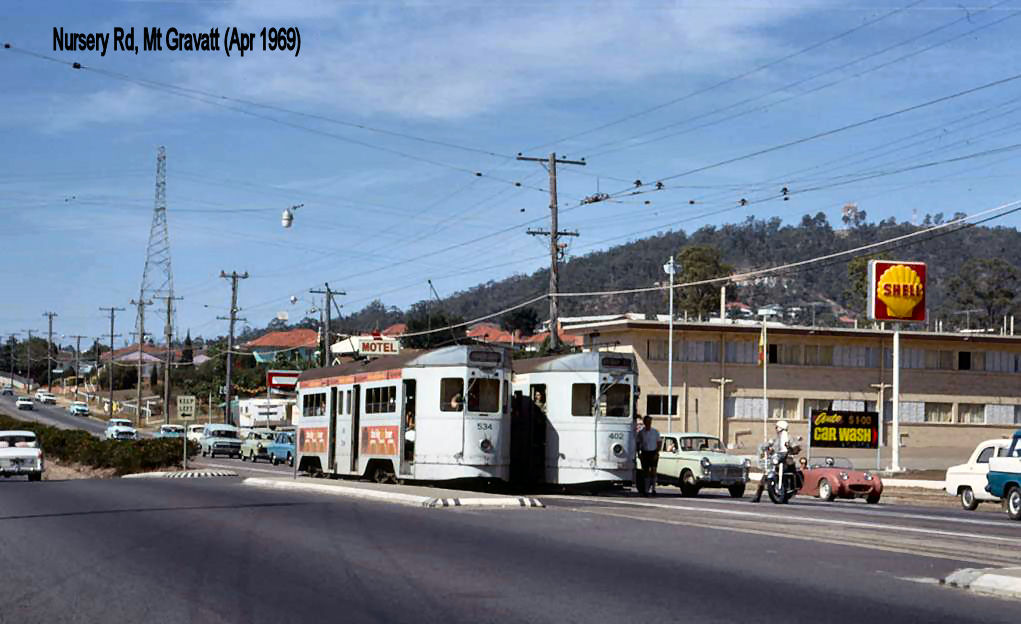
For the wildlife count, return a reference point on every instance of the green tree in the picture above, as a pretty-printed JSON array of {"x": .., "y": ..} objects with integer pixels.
[
  {"x": 696, "y": 263},
  {"x": 856, "y": 292},
  {"x": 524, "y": 320},
  {"x": 421, "y": 318},
  {"x": 988, "y": 284},
  {"x": 187, "y": 353}
]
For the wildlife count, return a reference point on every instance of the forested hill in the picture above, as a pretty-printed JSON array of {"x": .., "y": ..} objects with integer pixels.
[{"x": 758, "y": 244}]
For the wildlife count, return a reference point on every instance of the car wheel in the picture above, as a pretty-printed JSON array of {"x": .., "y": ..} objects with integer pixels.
[
  {"x": 252, "y": 457},
  {"x": 689, "y": 487},
  {"x": 290, "y": 460},
  {"x": 826, "y": 490},
  {"x": 203, "y": 452},
  {"x": 1013, "y": 503},
  {"x": 35, "y": 476},
  {"x": 736, "y": 490},
  {"x": 968, "y": 500},
  {"x": 872, "y": 499},
  {"x": 273, "y": 459}
]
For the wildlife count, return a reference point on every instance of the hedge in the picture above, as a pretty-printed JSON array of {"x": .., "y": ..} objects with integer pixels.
[{"x": 124, "y": 456}]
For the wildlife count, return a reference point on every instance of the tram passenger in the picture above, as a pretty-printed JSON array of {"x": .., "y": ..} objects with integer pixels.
[
  {"x": 648, "y": 453},
  {"x": 539, "y": 399},
  {"x": 409, "y": 435},
  {"x": 457, "y": 402}
]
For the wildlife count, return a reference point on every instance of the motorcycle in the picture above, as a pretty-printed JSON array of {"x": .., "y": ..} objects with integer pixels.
[{"x": 784, "y": 479}]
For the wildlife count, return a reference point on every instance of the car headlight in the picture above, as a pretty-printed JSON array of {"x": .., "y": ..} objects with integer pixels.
[
  {"x": 843, "y": 475},
  {"x": 705, "y": 464},
  {"x": 868, "y": 476}
]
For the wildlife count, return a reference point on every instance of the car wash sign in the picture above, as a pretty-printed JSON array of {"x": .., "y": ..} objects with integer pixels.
[
  {"x": 842, "y": 429},
  {"x": 896, "y": 291}
]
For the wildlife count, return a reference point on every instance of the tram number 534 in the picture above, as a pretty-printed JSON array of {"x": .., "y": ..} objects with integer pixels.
[{"x": 483, "y": 426}]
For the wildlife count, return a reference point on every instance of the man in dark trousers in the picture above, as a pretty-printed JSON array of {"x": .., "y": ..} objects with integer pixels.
[{"x": 648, "y": 454}]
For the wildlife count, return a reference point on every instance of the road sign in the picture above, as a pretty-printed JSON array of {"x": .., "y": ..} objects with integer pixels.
[
  {"x": 282, "y": 379},
  {"x": 843, "y": 429},
  {"x": 185, "y": 406},
  {"x": 896, "y": 290}
]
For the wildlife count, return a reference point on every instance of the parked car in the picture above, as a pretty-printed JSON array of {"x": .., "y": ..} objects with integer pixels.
[
  {"x": 254, "y": 446},
  {"x": 78, "y": 408},
  {"x": 7, "y": 391},
  {"x": 694, "y": 461},
  {"x": 46, "y": 397},
  {"x": 120, "y": 429},
  {"x": 20, "y": 455},
  {"x": 195, "y": 433},
  {"x": 170, "y": 431},
  {"x": 220, "y": 440},
  {"x": 968, "y": 480},
  {"x": 1004, "y": 478},
  {"x": 282, "y": 448},
  {"x": 24, "y": 403},
  {"x": 835, "y": 477}
]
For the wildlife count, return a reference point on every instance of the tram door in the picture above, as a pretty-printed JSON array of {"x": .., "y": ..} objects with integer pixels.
[
  {"x": 528, "y": 436},
  {"x": 356, "y": 427},
  {"x": 331, "y": 461},
  {"x": 407, "y": 430}
]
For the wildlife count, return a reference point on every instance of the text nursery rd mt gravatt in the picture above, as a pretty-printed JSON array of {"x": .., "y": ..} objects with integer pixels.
[{"x": 155, "y": 39}]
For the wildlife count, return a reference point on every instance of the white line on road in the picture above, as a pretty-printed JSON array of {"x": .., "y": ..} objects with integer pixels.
[{"x": 279, "y": 473}]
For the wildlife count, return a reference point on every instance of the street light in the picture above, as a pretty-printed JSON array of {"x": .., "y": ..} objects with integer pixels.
[
  {"x": 670, "y": 267},
  {"x": 287, "y": 218}
]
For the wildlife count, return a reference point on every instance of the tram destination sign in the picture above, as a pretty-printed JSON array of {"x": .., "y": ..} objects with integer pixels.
[{"x": 844, "y": 429}]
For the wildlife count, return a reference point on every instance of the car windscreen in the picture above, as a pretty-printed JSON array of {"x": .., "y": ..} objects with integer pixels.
[
  {"x": 223, "y": 433},
  {"x": 120, "y": 423},
  {"x": 17, "y": 440},
  {"x": 833, "y": 462},
  {"x": 702, "y": 444}
]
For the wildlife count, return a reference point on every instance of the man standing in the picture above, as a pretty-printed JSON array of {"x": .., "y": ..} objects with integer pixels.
[{"x": 648, "y": 453}]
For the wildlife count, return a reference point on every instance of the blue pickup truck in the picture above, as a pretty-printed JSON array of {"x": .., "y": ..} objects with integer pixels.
[{"x": 1004, "y": 478}]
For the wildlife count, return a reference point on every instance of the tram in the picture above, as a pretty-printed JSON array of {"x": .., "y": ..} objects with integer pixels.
[
  {"x": 573, "y": 419},
  {"x": 429, "y": 415}
]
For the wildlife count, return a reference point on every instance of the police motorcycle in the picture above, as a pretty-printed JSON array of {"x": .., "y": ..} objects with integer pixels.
[{"x": 784, "y": 478}]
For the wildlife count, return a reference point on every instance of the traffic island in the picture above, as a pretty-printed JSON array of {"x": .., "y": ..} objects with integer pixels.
[
  {"x": 414, "y": 495},
  {"x": 999, "y": 582}
]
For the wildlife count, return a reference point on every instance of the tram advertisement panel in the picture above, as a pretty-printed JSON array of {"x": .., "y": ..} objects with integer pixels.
[
  {"x": 312, "y": 439},
  {"x": 379, "y": 440},
  {"x": 844, "y": 429}
]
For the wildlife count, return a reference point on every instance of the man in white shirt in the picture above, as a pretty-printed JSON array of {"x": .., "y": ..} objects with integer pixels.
[{"x": 648, "y": 453}]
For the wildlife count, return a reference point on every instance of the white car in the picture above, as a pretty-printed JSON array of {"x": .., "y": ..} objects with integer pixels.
[
  {"x": 120, "y": 429},
  {"x": 20, "y": 455},
  {"x": 195, "y": 433},
  {"x": 46, "y": 397},
  {"x": 968, "y": 481},
  {"x": 24, "y": 403}
]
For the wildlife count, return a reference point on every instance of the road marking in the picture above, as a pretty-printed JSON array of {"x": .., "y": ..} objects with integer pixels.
[
  {"x": 279, "y": 473},
  {"x": 809, "y": 519}
]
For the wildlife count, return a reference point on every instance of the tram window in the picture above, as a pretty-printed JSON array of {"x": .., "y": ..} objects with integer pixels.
[
  {"x": 583, "y": 397},
  {"x": 451, "y": 394},
  {"x": 615, "y": 401},
  {"x": 484, "y": 396},
  {"x": 381, "y": 400},
  {"x": 313, "y": 405}
]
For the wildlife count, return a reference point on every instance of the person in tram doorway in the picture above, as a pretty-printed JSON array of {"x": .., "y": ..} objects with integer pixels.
[
  {"x": 648, "y": 453},
  {"x": 409, "y": 436}
]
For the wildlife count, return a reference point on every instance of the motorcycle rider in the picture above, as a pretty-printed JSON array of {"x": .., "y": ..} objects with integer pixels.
[{"x": 782, "y": 444}]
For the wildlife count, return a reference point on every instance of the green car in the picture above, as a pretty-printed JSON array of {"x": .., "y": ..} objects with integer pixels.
[
  {"x": 694, "y": 461},
  {"x": 255, "y": 444}
]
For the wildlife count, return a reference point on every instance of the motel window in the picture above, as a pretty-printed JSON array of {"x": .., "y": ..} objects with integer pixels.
[
  {"x": 484, "y": 396},
  {"x": 700, "y": 351},
  {"x": 583, "y": 398},
  {"x": 615, "y": 400},
  {"x": 818, "y": 355},
  {"x": 1000, "y": 362},
  {"x": 381, "y": 400},
  {"x": 938, "y": 412},
  {"x": 655, "y": 404},
  {"x": 783, "y": 409},
  {"x": 939, "y": 360},
  {"x": 855, "y": 357},
  {"x": 451, "y": 394},
  {"x": 1017, "y": 414},
  {"x": 658, "y": 350},
  {"x": 816, "y": 404},
  {"x": 910, "y": 358},
  {"x": 971, "y": 360},
  {"x": 971, "y": 414},
  {"x": 786, "y": 354},
  {"x": 313, "y": 405},
  {"x": 741, "y": 352}
]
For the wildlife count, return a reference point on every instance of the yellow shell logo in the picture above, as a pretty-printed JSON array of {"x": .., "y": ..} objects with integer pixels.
[{"x": 900, "y": 288}]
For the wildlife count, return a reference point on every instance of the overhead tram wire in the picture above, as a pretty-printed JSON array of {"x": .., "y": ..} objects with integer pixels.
[
  {"x": 219, "y": 101},
  {"x": 727, "y": 81},
  {"x": 622, "y": 143}
]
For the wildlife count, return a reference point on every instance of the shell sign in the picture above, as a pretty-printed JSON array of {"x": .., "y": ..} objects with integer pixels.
[{"x": 896, "y": 291}]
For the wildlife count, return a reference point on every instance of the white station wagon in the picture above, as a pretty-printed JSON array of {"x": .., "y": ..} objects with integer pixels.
[
  {"x": 20, "y": 455},
  {"x": 968, "y": 481}
]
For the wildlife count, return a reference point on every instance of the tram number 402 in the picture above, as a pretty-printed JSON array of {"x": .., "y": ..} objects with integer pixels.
[
  {"x": 618, "y": 435},
  {"x": 485, "y": 426}
]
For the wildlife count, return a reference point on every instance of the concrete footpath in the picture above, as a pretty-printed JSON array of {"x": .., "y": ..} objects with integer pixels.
[
  {"x": 419, "y": 496},
  {"x": 999, "y": 582}
]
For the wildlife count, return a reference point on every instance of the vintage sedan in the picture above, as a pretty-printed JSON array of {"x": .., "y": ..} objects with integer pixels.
[
  {"x": 255, "y": 445},
  {"x": 24, "y": 403},
  {"x": 830, "y": 478},
  {"x": 20, "y": 455},
  {"x": 195, "y": 433},
  {"x": 78, "y": 408},
  {"x": 120, "y": 429},
  {"x": 170, "y": 431},
  {"x": 968, "y": 481},
  {"x": 220, "y": 440},
  {"x": 694, "y": 461},
  {"x": 282, "y": 448}
]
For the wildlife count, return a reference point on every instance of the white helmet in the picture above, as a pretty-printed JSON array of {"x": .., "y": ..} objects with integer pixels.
[{"x": 781, "y": 425}]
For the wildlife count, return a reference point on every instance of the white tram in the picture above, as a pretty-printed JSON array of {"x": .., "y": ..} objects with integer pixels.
[
  {"x": 573, "y": 419},
  {"x": 427, "y": 415}
]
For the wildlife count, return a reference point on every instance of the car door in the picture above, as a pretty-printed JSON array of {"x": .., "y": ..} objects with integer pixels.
[
  {"x": 668, "y": 457},
  {"x": 977, "y": 471}
]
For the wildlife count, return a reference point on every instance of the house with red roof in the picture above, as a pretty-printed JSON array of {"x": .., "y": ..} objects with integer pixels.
[{"x": 301, "y": 342}]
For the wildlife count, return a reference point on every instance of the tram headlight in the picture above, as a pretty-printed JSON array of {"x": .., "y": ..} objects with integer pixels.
[
  {"x": 618, "y": 450},
  {"x": 486, "y": 446}
]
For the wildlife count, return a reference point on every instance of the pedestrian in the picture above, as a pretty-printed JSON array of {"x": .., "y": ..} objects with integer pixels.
[{"x": 648, "y": 454}]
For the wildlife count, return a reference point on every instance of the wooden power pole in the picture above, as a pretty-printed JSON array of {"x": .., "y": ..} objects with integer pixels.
[
  {"x": 169, "y": 333},
  {"x": 140, "y": 304},
  {"x": 328, "y": 294},
  {"x": 554, "y": 235},
  {"x": 113, "y": 311},
  {"x": 49, "y": 351},
  {"x": 233, "y": 276}
]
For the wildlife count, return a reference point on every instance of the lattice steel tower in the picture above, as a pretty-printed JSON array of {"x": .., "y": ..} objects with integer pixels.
[{"x": 158, "y": 277}]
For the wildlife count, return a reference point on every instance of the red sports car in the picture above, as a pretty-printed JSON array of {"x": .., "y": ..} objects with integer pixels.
[{"x": 835, "y": 477}]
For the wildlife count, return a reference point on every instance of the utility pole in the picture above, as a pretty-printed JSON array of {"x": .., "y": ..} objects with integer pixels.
[
  {"x": 166, "y": 368},
  {"x": 328, "y": 294},
  {"x": 140, "y": 304},
  {"x": 77, "y": 363},
  {"x": 554, "y": 234},
  {"x": 234, "y": 276},
  {"x": 49, "y": 351},
  {"x": 113, "y": 311},
  {"x": 13, "y": 344},
  {"x": 28, "y": 358}
]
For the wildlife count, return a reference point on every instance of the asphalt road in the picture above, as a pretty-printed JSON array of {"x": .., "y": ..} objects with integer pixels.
[
  {"x": 54, "y": 415},
  {"x": 212, "y": 550}
]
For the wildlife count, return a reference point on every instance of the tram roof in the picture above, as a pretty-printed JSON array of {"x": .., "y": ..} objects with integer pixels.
[
  {"x": 457, "y": 355},
  {"x": 570, "y": 362}
]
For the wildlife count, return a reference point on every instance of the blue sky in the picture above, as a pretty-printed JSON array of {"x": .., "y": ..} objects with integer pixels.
[{"x": 383, "y": 213}]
